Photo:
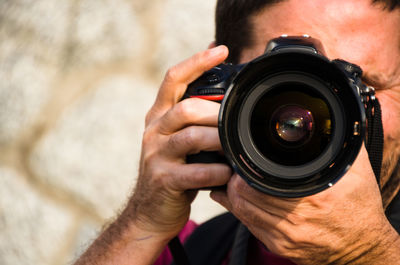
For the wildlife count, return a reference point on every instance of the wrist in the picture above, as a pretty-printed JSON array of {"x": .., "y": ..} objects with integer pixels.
[
  {"x": 139, "y": 245},
  {"x": 125, "y": 242},
  {"x": 383, "y": 247},
  {"x": 142, "y": 231},
  {"x": 137, "y": 216}
]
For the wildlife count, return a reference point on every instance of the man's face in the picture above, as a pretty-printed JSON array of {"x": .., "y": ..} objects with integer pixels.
[{"x": 353, "y": 30}]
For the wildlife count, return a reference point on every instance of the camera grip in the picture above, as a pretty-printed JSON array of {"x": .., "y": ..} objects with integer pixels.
[{"x": 206, "y": 157}]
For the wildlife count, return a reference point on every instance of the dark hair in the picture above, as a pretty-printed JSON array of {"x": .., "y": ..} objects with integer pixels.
[
  {"x": 232, "y": 19},
  {"x": 388, "y": 4}
]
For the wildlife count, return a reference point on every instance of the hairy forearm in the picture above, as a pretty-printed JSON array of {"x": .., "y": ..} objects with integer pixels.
[{"x": 123, "y": 242}]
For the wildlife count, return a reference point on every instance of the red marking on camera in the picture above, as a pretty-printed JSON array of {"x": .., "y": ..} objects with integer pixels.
[{"x": 210, "y": 97}]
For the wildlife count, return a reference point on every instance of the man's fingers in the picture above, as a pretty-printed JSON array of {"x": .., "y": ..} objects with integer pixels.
[
  {"x": 179, "y": 76},
  {"x": 192, "y": 140},
  {"x": 196, "y": 176},
  {"x": 276, "y": 205},
  {"x": 222, "y": 198},
  {"x": 188, "y": 112},
  {"x": 246, "y": 211}
]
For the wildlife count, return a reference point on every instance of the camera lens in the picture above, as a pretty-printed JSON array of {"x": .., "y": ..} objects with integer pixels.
[
  {"x": 287, "y": 123},
  {"x": 293, "y": 123}
]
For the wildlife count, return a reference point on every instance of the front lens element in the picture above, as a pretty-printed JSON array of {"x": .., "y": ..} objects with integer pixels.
[{"x": 293, "y": 124}]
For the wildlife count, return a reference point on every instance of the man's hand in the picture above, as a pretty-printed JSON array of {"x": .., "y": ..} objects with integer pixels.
[
  {"x": 160, "y": 205},
  {"x": 344, "y": 224},
  {"x": 174, "y": 129}
]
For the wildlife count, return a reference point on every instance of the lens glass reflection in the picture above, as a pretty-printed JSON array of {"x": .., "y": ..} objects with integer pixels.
[{"x": 291, "y": 124}]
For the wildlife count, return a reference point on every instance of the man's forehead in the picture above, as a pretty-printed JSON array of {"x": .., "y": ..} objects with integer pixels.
[
  {"x": 297, "y": 17},
  {"x": 355, "y": 30}
]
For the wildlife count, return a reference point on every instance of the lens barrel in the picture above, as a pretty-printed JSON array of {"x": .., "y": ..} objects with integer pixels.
[{"x": 287, "y": 123}]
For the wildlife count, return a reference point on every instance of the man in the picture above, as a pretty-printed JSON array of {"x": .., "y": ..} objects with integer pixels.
[{"x": 345, "y": 224}]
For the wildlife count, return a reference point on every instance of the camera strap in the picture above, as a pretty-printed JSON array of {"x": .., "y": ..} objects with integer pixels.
[
  {"x": 374, "y": 141},
  {"x": 209, "y": 244},
  {"x": 240, "y": 246}
]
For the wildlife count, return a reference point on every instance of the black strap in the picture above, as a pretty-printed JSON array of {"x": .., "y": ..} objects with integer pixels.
[
  {"x": 177, "y": 251},
  {"x": 240, "y": 246},
  {"x": 393, "y": 212},
  {"x": 374, "y": 143},
  {"x": 211, "y": 242}
]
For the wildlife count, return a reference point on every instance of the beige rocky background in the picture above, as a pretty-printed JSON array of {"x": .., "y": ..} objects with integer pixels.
[{"x": 76, "y": 79}]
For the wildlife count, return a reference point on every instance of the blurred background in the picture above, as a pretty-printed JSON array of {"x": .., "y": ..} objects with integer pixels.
[{"x": 76, "y": 80}]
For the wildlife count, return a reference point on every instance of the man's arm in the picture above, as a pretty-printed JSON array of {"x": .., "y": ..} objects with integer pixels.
[
  {"x": 160, "y": 204},
  {"x": 124, "y": 243}
]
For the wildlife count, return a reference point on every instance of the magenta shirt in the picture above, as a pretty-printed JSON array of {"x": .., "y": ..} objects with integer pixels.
[{"x": 257, "y": 252}]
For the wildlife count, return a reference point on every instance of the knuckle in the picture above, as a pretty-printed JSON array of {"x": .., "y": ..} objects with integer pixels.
[
  {"x": 151, "y": 174},
  {"x": 151, "y": 147},
  {"x": 174, "y": 141},
  {"x": 240, "y": 186},
  {"x": 190, "y": 136},
  {"x": 193, "y": 110},
  {"x": 160, "y": 177},
  {"x": 185, "y": 109},
  {"x": 148, "y": 136},
  {"x": 149, "y": 156},
  {"x": 149, "y": 116},
  {"x": 235, "y": 183},
  {"x": 172, "y": 74},
  {"x": 238, "y": 204},
  {"x": 177, "y": 140}
]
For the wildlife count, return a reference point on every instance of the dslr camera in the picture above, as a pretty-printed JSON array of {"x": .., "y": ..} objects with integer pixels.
[{"x": 291, "y": 121}]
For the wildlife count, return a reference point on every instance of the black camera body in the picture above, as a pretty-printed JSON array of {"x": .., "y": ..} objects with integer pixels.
[{"x": 291, "y": 121}]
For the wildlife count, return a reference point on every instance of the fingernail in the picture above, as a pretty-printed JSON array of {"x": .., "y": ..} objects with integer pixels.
[{"x": 217, "y": 50}]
